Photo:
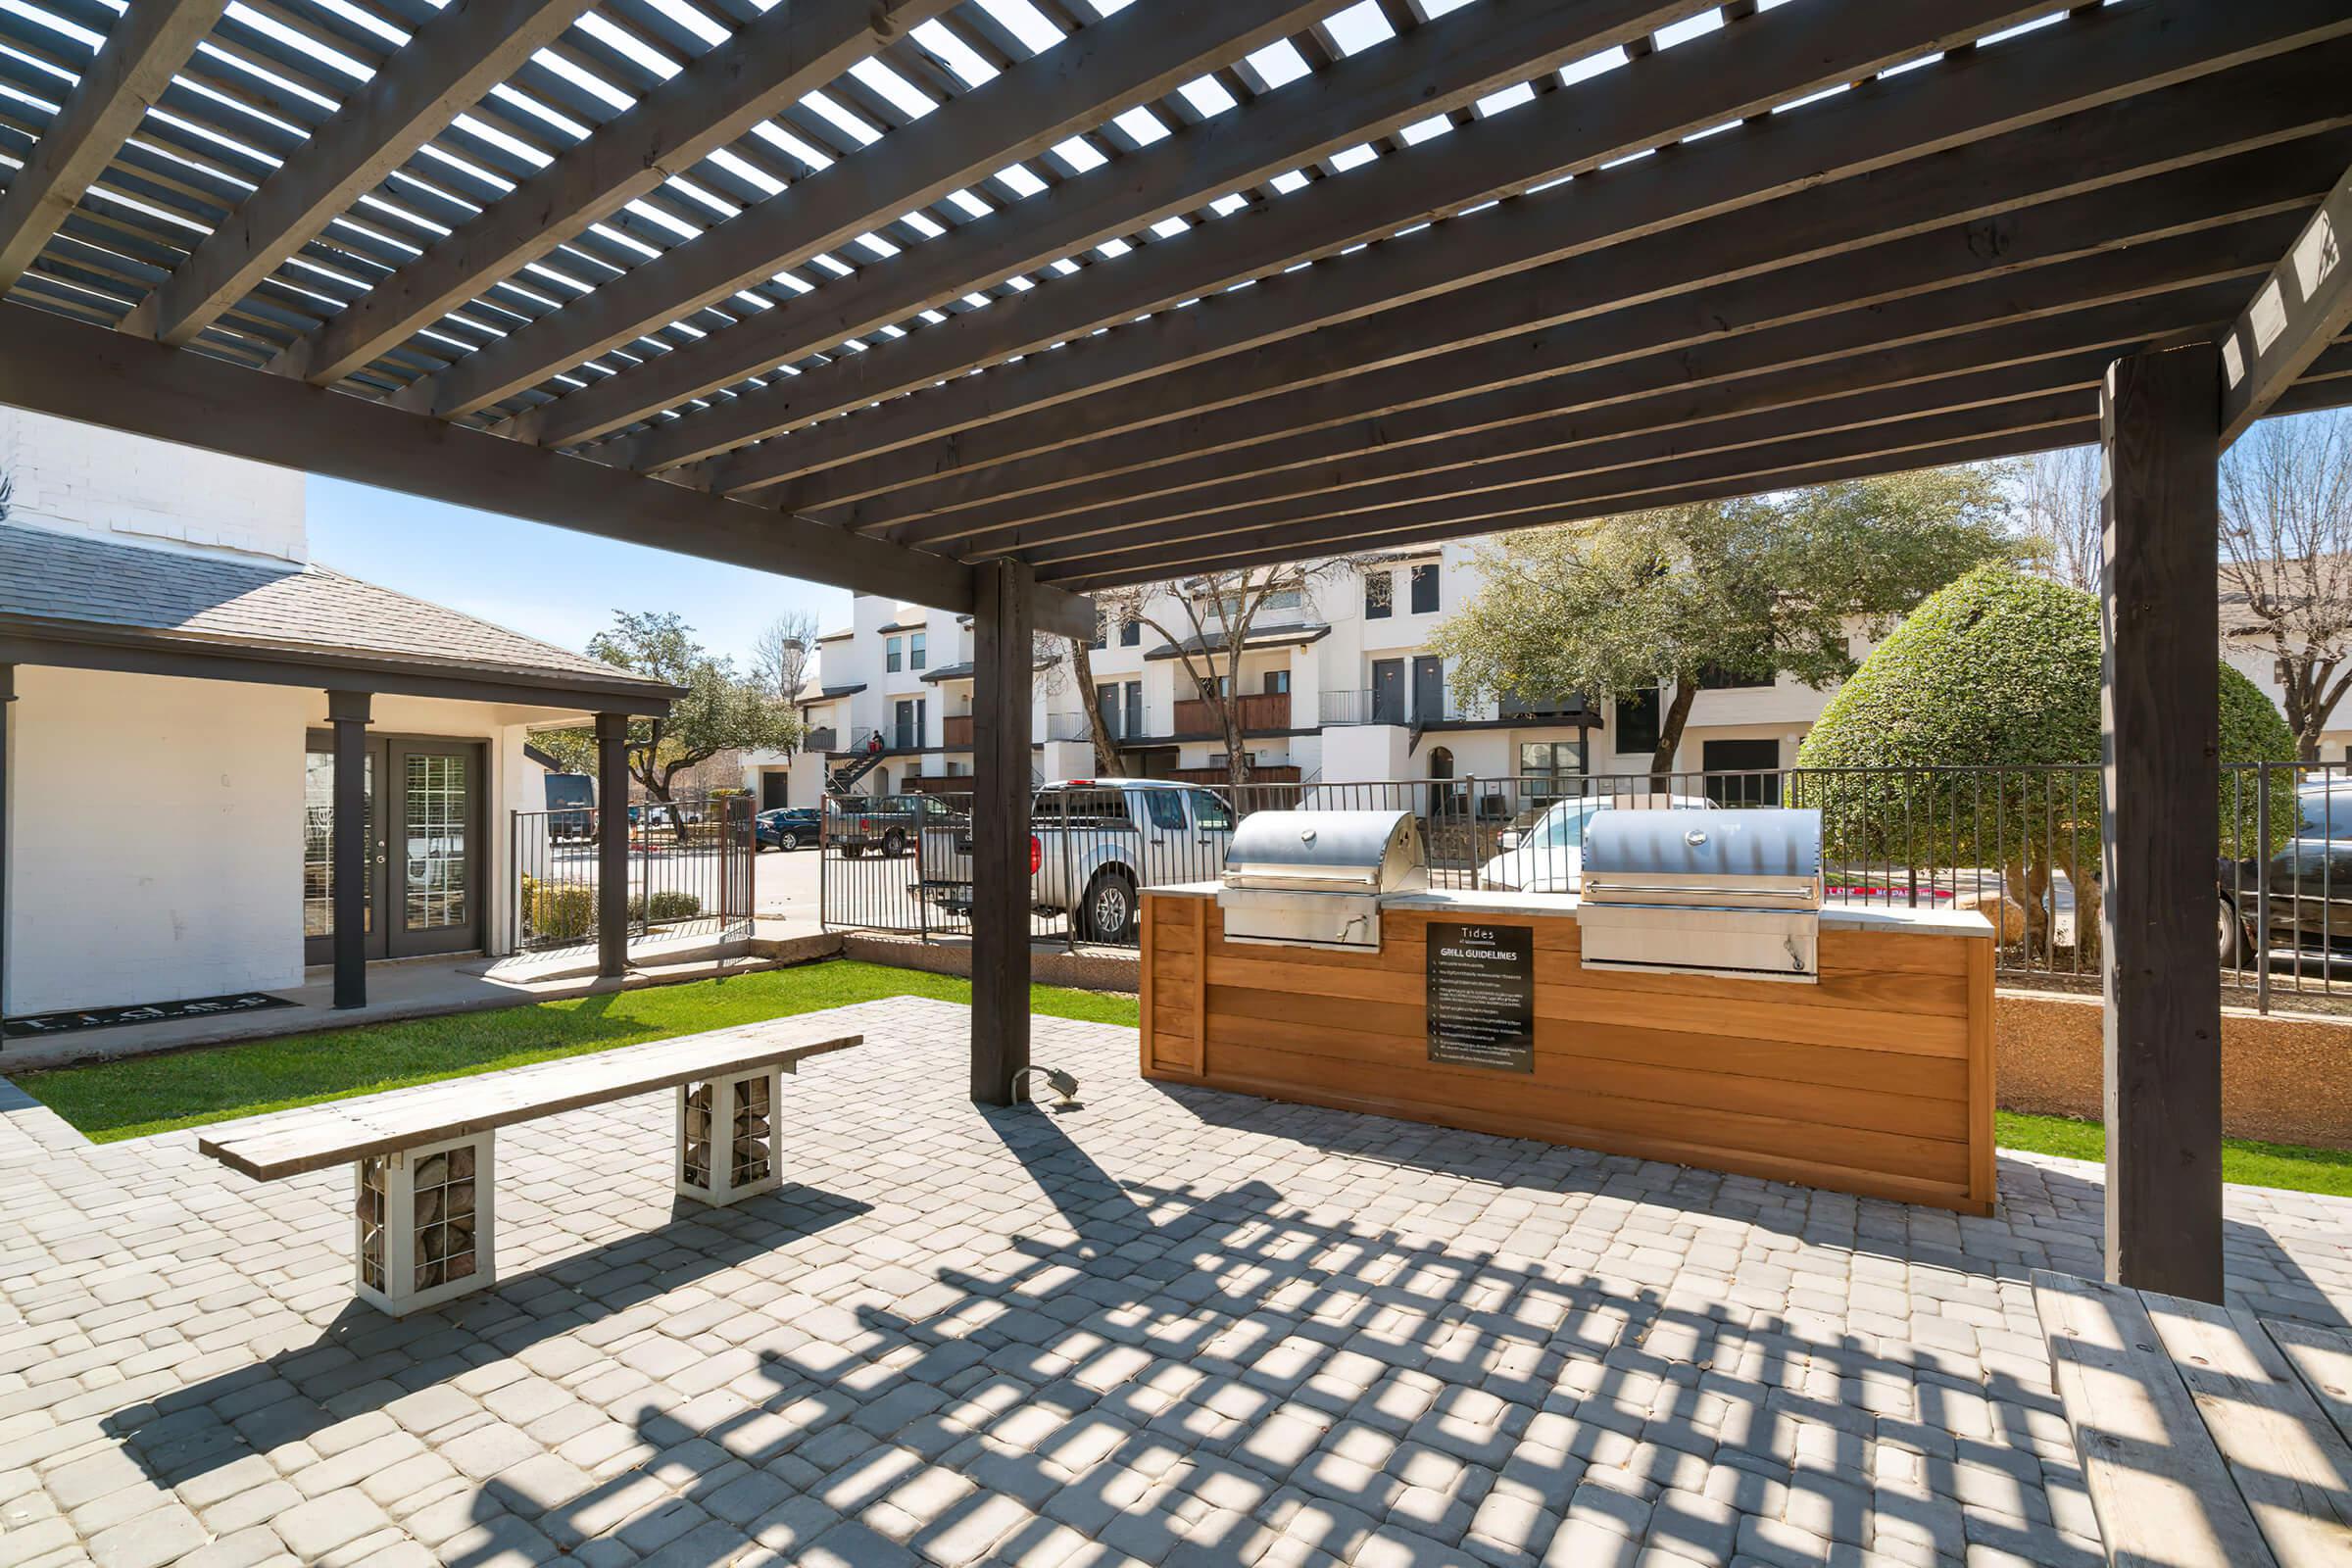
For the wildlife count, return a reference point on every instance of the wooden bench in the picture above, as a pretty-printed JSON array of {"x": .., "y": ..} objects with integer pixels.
[
  {"x": 423, "y": 1214},
  {"x": 2207, "y": 1436}
]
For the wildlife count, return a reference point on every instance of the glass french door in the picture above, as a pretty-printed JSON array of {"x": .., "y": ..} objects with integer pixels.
[{"x": 425, "y": 848}]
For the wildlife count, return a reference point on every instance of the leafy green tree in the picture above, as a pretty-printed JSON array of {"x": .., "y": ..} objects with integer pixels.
[
  {"x": 721, "y": 710},
  {"x": 1996, "y": 681},
  {"x": 1754, "y": 587}
]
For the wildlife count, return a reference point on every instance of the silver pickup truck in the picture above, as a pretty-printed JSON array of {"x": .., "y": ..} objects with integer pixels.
[{"x": 1092, "y": 844}]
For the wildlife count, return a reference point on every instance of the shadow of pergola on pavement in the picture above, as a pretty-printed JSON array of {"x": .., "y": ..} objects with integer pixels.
[{"x": 1172, "y": 1325}]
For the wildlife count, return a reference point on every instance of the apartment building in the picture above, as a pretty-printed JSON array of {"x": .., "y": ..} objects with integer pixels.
[{"x": 1337, "y": 683}]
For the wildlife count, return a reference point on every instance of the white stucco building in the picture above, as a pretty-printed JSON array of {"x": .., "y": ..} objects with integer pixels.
[
  {"x": 1340, "y": 685},
  {"x": 167, "y": 771}
]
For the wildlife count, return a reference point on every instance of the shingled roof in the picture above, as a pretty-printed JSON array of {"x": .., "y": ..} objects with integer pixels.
[{"x": 71, "y": 585}]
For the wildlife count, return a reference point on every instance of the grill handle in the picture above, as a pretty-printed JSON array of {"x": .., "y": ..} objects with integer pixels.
[{"x": 1594, "y": 884}]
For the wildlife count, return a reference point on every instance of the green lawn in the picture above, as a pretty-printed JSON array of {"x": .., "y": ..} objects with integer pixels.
[
  {"x": 2253, "y": 1164},
  {"x": 112, "y": 1100}
]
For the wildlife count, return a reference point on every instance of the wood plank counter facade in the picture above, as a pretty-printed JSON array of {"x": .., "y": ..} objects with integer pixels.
[{"x": 1878, "y": 1081}]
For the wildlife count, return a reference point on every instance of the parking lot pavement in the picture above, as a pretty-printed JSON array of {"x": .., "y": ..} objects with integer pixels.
[{"x": 785, "y": 882}]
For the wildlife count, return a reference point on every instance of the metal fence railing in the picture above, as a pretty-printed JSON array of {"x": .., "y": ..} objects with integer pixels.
[
  {"x": 690, "y": 872},
  {"x": 2019, "y": 845}
]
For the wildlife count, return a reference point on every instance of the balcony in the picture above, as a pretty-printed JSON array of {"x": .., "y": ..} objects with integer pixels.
[
  {"x": 1214, "y": 777},
  {"x": 955, "y": 732},
  {"x": 819, "y": 740},
  {"x": 1071, "y": 726},
  {"x": 1262, "y": 713}
]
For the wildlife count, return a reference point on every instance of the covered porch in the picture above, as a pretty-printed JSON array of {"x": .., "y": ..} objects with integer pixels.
[{"x": 1503, "y": 268}]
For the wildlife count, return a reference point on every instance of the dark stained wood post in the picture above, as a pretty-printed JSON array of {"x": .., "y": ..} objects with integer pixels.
[
  {"x": 1004, "y": 614},
  {"x": 348, "y": 712},
  {"x": 2160, "y": 424},
  {"x": 613, "y": 845}
]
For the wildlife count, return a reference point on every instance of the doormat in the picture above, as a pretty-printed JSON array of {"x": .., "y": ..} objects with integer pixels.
[{"x": 34, "y": 1026}]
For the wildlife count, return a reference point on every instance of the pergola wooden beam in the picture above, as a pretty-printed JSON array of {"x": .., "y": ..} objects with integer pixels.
[
  {"x": 1647, "y": 464},
  {"x": 76, "y": 371},
  {"x": 1449, "y": 62},
  {"x": 1148, "y": 371},
  {"x": 1762, "y": 478},
  {"x": 1139, "y": 54},
  {"x": 130, "y": 72},
  {"x": 2300, "y": 308},
  {"x": 446, "y": 68},
  {"x": 775, "y": 62},
  {"x": 1806, "y": 313},
  {"x": 1738, "y": 70},
  {"x": 1580, "y": 410}
]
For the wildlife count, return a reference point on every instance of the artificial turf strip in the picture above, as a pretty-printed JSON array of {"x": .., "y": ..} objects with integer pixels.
[
  {"x": 2248, "y": 1163},
  {"x": 113, "y": 1101}
]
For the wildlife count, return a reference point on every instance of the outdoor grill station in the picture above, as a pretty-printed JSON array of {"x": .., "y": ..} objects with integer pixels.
[{"x": 1694, "y": 1002}]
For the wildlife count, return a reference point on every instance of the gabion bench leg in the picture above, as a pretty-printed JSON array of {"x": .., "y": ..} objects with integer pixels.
[
  {"x": 423, "y": 1224},
  {"x": 726, "y": 1147}
]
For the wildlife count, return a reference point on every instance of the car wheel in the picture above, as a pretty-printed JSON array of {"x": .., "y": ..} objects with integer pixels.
[
  {"x": 788, "y": 842},
  {"x": 894, "y": 844},
  {"x": 2236, "y": 942},
  {"x": 1110, "y": 914}
]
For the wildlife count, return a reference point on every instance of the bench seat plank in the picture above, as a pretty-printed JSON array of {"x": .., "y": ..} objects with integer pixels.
[
  {"x": 2163, "y": 1495},
  {"x": 2289, "y": 1462},
  {"x": 312, "y": 1138},
  {"x": 2324, "y": 1359}
]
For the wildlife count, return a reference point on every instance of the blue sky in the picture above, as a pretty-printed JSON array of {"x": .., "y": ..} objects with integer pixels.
[{"x": 550, "y": 583}]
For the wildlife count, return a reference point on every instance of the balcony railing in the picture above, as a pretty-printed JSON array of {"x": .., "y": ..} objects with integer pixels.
[
  {"x": 1071, "y": 726},
  {"x": 1258, "y": 714},
  {"x": 818, "y": 739},
  {"x": 955, "y": 731},
  {"x": 1273, "y": 773}
]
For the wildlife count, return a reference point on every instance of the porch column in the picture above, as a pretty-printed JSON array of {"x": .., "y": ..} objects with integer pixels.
[
  {"x": 8, "y": 698},
  {"x": 2159, "y": 425},
  {"x": 1004, "y": 671},
  {"x": 347, "y": 712},
  {"x": 613, "y": 845}
]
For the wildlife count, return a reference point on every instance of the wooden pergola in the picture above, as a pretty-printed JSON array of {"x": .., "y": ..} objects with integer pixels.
[{"x": 989, "y": 303}]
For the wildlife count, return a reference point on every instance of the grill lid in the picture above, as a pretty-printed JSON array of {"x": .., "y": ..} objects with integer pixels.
[
  {"x": 1767, "y": 860},
  {"x": 1328, "y": 852}
]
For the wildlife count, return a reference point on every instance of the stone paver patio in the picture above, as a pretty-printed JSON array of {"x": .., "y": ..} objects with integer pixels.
[{"x": 1167, "y": 1327}]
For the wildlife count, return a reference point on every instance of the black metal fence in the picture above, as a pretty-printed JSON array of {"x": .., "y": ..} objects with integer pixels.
[
  {"x": 690, "y": 872},
  {"x": 2020, "y": 846}
]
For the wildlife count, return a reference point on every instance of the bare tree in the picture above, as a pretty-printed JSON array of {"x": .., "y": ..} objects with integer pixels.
[
  {"x": 2287, "y": 560},
  {"x": 1216, "y": 612},
  {"x": 1108, "y": 762},
  {"x": 2058, "y": 496},
  {"x": 780, "y": 654}
]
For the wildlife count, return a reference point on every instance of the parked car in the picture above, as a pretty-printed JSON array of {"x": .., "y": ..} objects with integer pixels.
[
  {"x": 2310, "y": 883},
  {"x": 570, "y": 806},
  {"x": 891, "y": 824},
  {"x": 785, "y": 827},
  {"x": 1549, "y": 856},
  {"x": 1093, "y": 845}
]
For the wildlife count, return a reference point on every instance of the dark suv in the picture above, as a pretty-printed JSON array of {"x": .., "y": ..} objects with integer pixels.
[
  {"x": 2310, "y": 883},
  {"x": 785, "y": 827}
]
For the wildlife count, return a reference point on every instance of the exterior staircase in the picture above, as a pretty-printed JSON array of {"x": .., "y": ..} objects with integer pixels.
[{"x": 841, "y": 780}]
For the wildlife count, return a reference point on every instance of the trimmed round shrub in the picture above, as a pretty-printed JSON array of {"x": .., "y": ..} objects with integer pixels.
[{"x": 1996, "y": 678}]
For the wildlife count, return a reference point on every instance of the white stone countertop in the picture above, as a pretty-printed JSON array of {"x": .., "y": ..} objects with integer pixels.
[{"x": 1925, "y": 922}]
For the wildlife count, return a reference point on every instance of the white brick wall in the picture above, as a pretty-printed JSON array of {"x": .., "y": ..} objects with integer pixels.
[{"x": 82, "y": 478}]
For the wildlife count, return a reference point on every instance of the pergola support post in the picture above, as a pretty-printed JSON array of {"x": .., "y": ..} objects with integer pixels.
[
  {"x": 348, "y": 713},
  {"x": 613, "y": 845},
  {"x": 2159, "y": 425},
  {"x": 1004, "y": 618}
]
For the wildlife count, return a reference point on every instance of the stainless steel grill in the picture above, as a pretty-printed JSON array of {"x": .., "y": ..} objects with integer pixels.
[
  {"x": 1704, "y": 892},
  {"x": 1313, "y": 879}
]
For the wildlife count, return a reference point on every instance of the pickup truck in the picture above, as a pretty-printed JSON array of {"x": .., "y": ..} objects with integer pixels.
[
  {"x": 890, "y": 824},
  {"x": 1093, "y": 843}
]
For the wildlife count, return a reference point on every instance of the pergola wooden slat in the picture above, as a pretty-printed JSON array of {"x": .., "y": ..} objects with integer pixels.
[{"x": 982, "y": 305}]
